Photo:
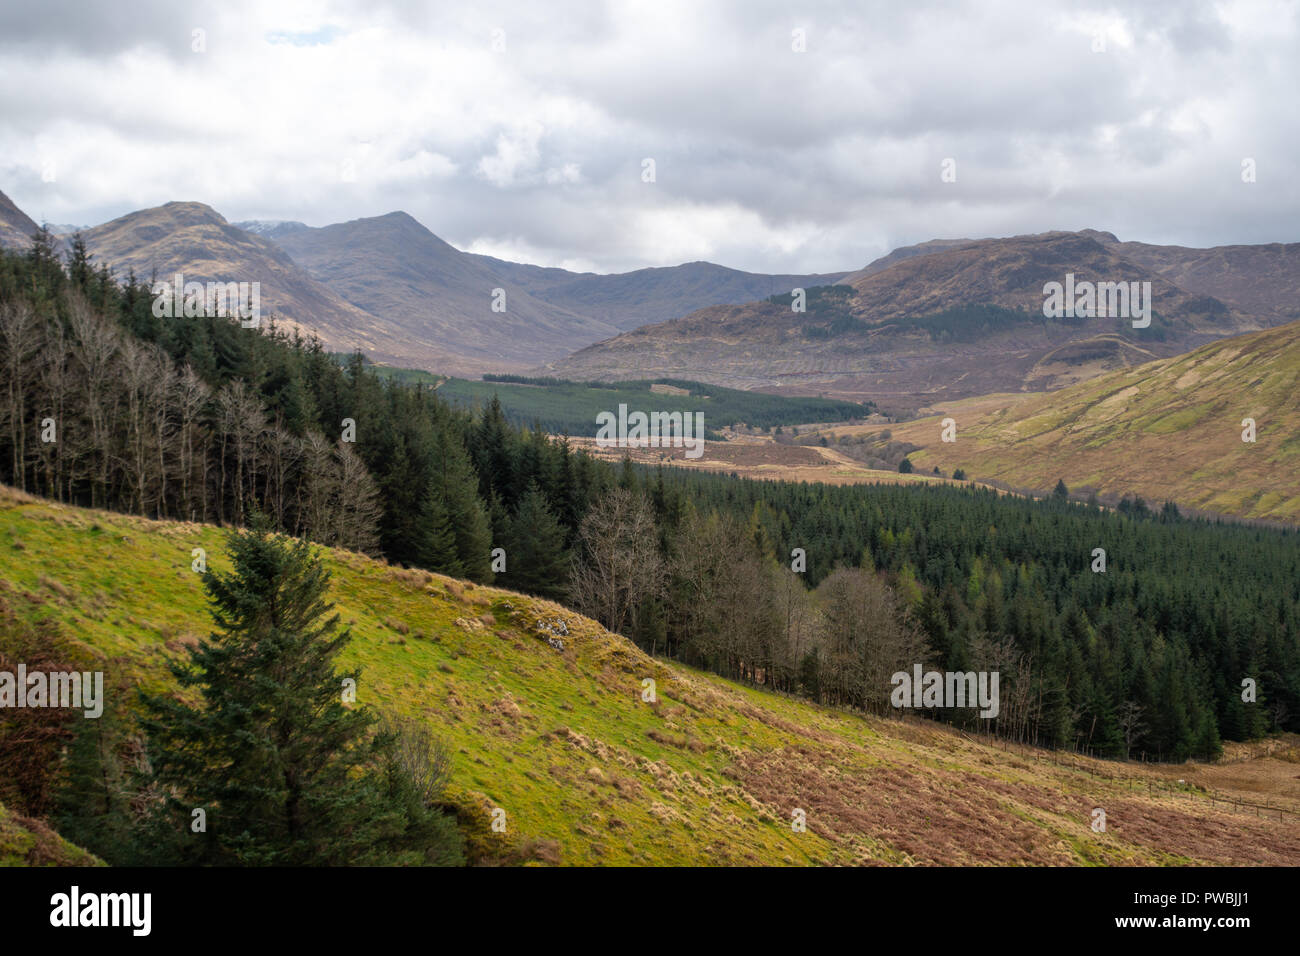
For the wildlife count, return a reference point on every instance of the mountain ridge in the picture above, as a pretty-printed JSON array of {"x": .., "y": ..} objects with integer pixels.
[{"x": 864, "y": 338}]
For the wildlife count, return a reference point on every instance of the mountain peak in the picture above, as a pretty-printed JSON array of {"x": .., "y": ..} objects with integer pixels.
[{"x": 190, "y": 213}]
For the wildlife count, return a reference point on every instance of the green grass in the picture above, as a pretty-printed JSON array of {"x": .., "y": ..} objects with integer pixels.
[{"x": 27, "y": 842}]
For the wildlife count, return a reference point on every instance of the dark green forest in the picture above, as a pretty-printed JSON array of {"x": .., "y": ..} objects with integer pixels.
[
  {"x": 203, "y": 420},
  {"x": 564, "y": 407}
]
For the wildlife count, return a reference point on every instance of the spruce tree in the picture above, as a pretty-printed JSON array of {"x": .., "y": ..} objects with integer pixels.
[
  {"x": 536, "y": 560},
  {"x": 285, "y": 771},
  {"x": 436, "y": 538},
  {"x": 456, "y": 485}
]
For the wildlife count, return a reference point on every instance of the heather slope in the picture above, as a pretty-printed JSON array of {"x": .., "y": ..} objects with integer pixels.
[{"x": 28, "y": 842}]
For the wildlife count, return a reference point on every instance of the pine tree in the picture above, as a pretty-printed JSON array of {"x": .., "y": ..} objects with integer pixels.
[
  {"x": 436, "y": 538},
  {"x": 536, "y": 560},
  {"x": 79, "y": 268},
  {"x": 285, "y": 772},
  {"x": 493, "y": 456},
  {"x": 455, "y": 483}
]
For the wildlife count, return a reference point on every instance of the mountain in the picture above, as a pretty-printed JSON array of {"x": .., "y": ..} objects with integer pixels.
[
  {"x": 558, "y": 736},
  {"x": 1166, "y": 430},
  {"x": 1262, "y": 281},
  {"x": 196, "y": 241},
  {"x": 629, "y": 300},
  {"x": 1259, "y": 280},
  {"x": 905, "y": 252},
  {"x": 962, "y": 319},
  {"x": 16, "y": 227},
  {"x": 270, "y": 228},
  {"x": 389, "y": 286},
  {"x": 393, "y": 266}
]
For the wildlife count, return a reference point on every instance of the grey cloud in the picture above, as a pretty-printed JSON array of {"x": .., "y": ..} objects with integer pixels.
[{"x": 767, "y": 159}]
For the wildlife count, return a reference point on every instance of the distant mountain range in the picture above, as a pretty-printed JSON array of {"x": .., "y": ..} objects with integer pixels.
[
  {"x": 270, "y": 228},
  {"x": 393, "y": 266},
  {"x": 926, "y": 323},
  {"x": 194, "y": 240},
  {"x": 954, "y": 318},
  {"x": 390, "y": 287}
]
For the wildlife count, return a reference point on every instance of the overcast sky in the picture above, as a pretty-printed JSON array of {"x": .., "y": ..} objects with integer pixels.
[{"x": 520, "y": 129}]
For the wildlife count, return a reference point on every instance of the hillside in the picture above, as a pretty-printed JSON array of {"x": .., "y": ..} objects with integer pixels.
[
  {"x": 958, "y": 321},
  {"x": 1168, "y": 429},
  {"x": 16, "y": 227},
  {"x": 28, "y": 842},
  {"x": 1261, "y": 281},
  {"x": 589, "y": 774},
  {"x": 196, "y": 241}
]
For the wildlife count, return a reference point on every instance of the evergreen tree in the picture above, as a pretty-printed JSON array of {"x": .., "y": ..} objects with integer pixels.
[
  {"x": 536, "y": 559},
  {"x": 285, "y": 771},
  {"x": 436, "y": 538},
  {"x": 456, "y": 486}
]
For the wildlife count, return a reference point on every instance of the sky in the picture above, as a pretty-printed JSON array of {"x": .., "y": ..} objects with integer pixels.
[{"x": 784, "y": 137}]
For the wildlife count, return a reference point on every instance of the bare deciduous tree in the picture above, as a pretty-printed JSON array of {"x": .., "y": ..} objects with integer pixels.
[
  {"x": 617, "y": 562},
  {"x": 19, "y": 339},
  {"x": 358, "y": 508},
  {"x": 866, "y": 637}
]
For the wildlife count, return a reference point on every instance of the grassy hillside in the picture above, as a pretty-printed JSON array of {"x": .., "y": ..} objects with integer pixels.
[
  {"x": 586, "y": 771},
  {"x": 1168, "y": 429},
  {"x": 28, "y": 842}
]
